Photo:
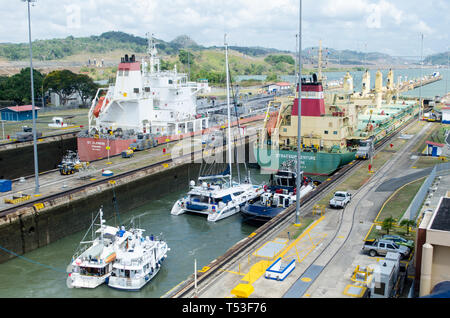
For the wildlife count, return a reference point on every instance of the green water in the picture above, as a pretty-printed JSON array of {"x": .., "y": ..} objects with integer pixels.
[{"x": 189, "y": 237}]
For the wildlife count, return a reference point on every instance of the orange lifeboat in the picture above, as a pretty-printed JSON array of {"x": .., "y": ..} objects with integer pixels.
[{"x": 99, "y": 105}]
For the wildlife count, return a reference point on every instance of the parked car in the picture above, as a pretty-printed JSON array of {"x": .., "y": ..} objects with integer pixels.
[
  {"x": 382, "y": 247},
  {"x": 340, "y": 199},
  {"x": 399, "y": 240}
]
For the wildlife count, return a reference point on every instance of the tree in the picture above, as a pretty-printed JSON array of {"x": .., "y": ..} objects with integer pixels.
[
  {"x": 388, "y": 223},
  {"x": 18, "y": 87},
  {"x": 186, "y": 57},
  {"x": 85, "y": 87},
  {"x": 408, "y": 223},
  {"x": 61, "y": 83},
  {"x": 272, "y": 77}
]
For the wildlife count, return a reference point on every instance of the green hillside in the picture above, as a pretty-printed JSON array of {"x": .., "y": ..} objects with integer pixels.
[{"x": 438, "y": 59}]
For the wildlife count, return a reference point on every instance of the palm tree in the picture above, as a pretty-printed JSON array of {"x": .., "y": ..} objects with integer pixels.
[
  {"x": 408, "y": 223},
  {"x": 388, "y": 223}
]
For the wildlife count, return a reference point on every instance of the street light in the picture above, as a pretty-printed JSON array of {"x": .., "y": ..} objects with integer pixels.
[
  {"x": 36, "y": 168},
  {"x": 299, "y": 116}
]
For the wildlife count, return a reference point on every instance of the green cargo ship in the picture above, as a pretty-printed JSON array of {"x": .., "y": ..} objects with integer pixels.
[{"x": 330, "y": 136}]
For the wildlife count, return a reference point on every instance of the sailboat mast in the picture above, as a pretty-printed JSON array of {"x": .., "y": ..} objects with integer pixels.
[
  {"x": 228, "y": 108},
  {"x": 299, "y": 123}
]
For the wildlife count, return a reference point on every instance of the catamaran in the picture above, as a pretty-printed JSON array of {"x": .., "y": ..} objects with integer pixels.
[
  {"x": 92, "y": 263},
  {"x": 217, "y": 195}
]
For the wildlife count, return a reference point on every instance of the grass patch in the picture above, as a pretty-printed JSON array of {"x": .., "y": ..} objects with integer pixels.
[
  {"x": 395, "y": 206},
  {"x": 396, "y": 230},
  {"x": 420, "y": 145},
  {"x": 427, "y": 162},
  {"x": 45, "y": 118},
  {"x": 362, "y": 175},
  {"x": 292, "y": 232}
]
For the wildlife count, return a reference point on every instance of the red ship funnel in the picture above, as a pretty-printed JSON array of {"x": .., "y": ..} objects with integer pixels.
[{"x": 313, "y": 103}]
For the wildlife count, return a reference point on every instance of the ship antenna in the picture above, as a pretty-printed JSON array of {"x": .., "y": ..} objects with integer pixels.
[{"x": 299, "y": 116}]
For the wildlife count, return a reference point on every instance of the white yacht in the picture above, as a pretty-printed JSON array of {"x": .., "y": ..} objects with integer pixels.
[
  {"x": 216, "y": 199},
  {"x": 217, "y": 195},
  {"x": 138, "y": 263},
  {"x": 91, "y": 265}
]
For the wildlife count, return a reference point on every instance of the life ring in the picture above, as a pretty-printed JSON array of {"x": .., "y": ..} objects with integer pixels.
[{"x": 78, "y": 261}]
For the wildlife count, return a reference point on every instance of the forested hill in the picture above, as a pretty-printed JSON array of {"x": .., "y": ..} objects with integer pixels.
[{"x": 54, "y": 49}]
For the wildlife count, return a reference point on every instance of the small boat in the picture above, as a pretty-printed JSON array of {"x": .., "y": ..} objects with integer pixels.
[
  {"x": 278, "y": 195},
  {"x": 92, "y": 264},
  {"x": 138, "y": 263}
]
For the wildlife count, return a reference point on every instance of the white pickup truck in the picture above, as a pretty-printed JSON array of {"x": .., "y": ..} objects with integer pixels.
[{"x": 340, "y": 199}]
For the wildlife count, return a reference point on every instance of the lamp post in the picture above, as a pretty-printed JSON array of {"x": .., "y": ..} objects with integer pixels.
[
  {"x": 421, "y": 75},
  {"x": 299, "y": 116},
  {"x": 36, "y": 168}
]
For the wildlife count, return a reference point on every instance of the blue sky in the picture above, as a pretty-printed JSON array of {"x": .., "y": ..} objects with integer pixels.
[{"x": 392, "y": 27}]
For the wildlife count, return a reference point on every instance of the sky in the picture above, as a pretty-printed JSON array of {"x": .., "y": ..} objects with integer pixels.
[{"x": 393, "y": 27}]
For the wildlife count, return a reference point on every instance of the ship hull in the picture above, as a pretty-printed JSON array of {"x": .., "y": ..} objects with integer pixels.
[
  {"x": 312, "y": 163},
  {"x": 91, "y": 148}
]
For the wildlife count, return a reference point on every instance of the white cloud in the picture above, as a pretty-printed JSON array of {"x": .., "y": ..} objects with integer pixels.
[{"x": 339, "y": 23}]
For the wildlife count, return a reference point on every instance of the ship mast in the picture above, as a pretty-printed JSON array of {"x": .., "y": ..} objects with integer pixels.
[
  {"x": 152, "y": 53},
  {"x": 319, "y": 63},
  {"x": 228, "y": 107}
]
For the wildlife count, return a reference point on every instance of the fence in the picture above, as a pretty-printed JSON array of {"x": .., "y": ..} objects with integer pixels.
[{"x": 416, "y": 203}]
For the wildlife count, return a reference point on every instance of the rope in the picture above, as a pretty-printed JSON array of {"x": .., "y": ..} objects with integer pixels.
[{"x": 32, "y": 261}]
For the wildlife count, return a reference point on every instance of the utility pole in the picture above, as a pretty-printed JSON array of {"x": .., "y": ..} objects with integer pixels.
[
  {"x": 421, "y": 75},
  {"x": 448, "y": 64},
  {"x": 299, "y": 123},
  {"x": 36, "y": 168}
]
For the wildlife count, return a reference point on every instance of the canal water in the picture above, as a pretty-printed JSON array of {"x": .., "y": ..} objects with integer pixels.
[
  {"x": 190, "y": 237},
  {"x": 439, "y": 88}
]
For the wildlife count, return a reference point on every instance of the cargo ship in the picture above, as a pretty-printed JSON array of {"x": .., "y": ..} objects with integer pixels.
[
  {"x": 330, "y": 133},
  {"x": 144, "y": 100}
]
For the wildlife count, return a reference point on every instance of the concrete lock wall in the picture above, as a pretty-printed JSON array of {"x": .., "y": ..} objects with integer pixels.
[
  {"x": 16, "y": 162},
  {"x": 27, "y": 229}
]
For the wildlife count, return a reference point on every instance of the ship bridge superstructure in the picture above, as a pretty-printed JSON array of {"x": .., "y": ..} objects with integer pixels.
[{"x": 146, "y": 99}]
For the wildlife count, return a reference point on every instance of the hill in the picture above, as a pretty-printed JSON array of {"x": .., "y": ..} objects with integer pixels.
[
  {"x": 72, "y": 52},
  {"x": 54, "y": 49},
  {"x": 438, "y": 59}
]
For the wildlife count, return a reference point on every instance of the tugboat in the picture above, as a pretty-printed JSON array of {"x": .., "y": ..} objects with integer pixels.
[
  {"x": 91, "y": 265},
  {"x": 280, "y": 193},
  {"x": 139, "y": 262}
]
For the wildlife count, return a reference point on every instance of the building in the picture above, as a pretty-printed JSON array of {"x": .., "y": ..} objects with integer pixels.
[
  {"x": 72, "y": 100},
  {"x": 18, "y": 113},
  {"x": 434, "y": 149},
  {"x": 446, "y": 115},
  {"x": 277, "y": 87},
  {"x": 433, "y": 247}
]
